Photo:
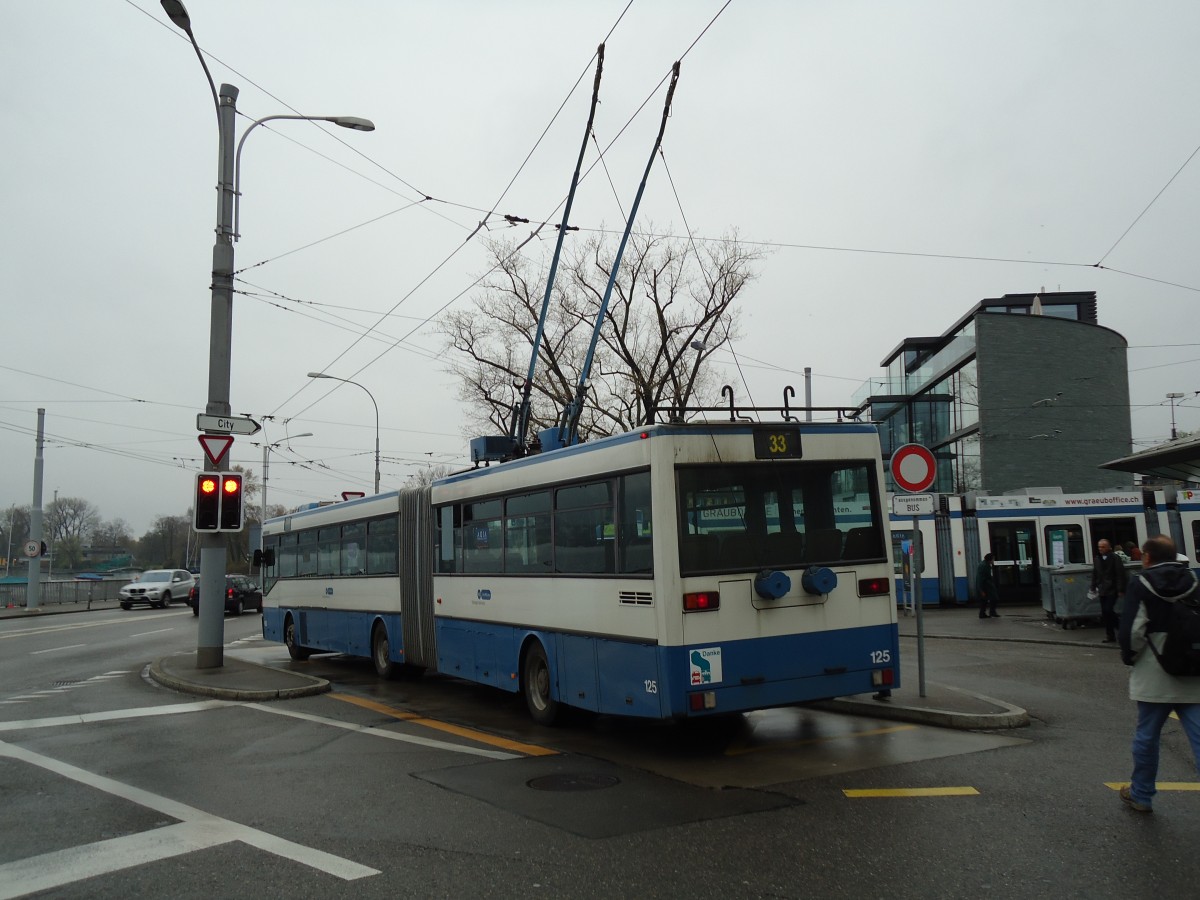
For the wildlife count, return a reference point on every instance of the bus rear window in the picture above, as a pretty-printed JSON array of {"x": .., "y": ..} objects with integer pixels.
[{"x": 753, "y": 516}]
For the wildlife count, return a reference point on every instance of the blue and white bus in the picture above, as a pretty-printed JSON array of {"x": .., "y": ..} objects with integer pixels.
[{"x": 682, "y": 570}]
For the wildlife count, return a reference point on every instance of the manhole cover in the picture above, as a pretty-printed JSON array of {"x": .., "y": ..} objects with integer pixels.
[{"x": 576, "y": 782}]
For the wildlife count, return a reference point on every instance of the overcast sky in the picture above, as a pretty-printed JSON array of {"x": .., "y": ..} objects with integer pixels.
[{"x": 902, "y": 133}]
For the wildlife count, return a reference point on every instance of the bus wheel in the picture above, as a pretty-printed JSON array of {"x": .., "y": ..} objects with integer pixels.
[
  {"x": 295, "y": 651},
  {"x": 535, "y": 683},
  {"x": 381, "y": 653}
]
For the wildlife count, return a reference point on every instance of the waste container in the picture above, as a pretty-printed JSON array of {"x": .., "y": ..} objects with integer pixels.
[{"x": 1067, "y": 599}]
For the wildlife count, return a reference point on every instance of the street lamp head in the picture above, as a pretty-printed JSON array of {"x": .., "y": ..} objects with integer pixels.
[
  {"x": 178, "y": 14},
  {"x": 317, "y": 375},
  {"x": 353, "y": 122},
  {"x": 1174, "y": 395}
]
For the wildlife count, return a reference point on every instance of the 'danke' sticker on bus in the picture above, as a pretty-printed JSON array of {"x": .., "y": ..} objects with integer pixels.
[{"x": 705, "y": 665}]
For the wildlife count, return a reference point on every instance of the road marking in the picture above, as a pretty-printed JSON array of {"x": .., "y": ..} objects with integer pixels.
[
  {"x": 740, "y": 748},
  {"x": 197, "y": 830},
  {"x": 914, "y": 792},
  {"x": 144, "y": 633},
  {"x": 114, "y": 714},
  {"x": 56, "y": 649},
  {"x": 1161, "y": 785},
  {"x": 460, "y": 731},
  {"x": 51, "y": 629},
  {"x": 390, "y": 735}
]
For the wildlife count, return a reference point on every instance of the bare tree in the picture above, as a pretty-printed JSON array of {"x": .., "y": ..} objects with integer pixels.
[
  {"x": 69, "y": 517},
  {"x": 111, "y": 533},
  {"x": 671, "y": 309}
]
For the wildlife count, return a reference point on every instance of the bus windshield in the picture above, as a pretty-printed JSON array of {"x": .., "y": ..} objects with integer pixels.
[{"x": 752, "y": 516}]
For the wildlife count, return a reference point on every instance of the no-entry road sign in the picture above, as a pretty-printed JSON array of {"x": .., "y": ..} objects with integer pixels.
[{"x": 913, "y": 468}]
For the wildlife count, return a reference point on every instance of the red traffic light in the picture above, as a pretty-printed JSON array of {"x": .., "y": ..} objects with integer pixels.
[
  {"x": 207, "y": 485},
  {"x": 232, "y": 485}
]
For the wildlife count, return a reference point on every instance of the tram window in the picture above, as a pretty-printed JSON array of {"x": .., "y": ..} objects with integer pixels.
[
  {"x": 287, "y": 557},
  {"x": 354, "y": 551},
  {"x": 633, "y": 528},
  {"x": 1117, "y": 531},
  {"x": 382, "y": 546},
  {"x": 899, "y": 539},
  {"x": 306, "y": 552},
  {"x": 449, "y": 539},
  {"x": 1072, "y": 540},
  {"x": 483, "y": 538},
  {"x": 329, "y": 549},
  {"x": 527, "y": 547},
  {"x": 584, "y": 529}
]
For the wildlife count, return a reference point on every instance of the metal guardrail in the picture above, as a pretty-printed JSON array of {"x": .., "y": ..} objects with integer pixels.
[{"x": 56, "y": 593}]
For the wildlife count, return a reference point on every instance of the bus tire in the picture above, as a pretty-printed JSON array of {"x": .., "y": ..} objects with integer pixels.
[
  {"x": 535, "y": 685},
  {"x": 295, "y": 651},
  {"x": 381, "y": 648}
]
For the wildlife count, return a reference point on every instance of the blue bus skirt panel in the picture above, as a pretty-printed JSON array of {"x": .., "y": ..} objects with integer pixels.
[
  {"x": 764, "y": 672},
  {"x": 641, "y": 679},
  {"x": 335, "y": 631}
]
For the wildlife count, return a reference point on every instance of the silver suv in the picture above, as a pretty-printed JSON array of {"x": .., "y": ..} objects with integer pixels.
[{"x": 157, "y": 588}]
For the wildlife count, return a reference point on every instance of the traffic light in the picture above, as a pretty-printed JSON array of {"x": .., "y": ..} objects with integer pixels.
[
  {"x": 218, "y": 504},
  {"x": 206, "y": 512},
  {"x": 231, "y": 502}
]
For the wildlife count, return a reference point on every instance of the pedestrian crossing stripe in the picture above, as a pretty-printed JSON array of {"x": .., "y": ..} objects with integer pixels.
[
  {"x": 1161, "y": 785},
  {"x": 913, "y": 792}
]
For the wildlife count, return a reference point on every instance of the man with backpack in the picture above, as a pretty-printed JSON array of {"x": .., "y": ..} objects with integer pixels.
[{"x": 1160, "y": 639}]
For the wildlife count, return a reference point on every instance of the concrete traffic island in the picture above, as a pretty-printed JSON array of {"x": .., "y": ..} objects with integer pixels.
[{"x": 235, "y": 680}]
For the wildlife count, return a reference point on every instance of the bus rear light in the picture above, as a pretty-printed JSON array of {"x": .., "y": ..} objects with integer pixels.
[
  {"x": 883, "y": 677},
  {"x": 700, "y": 601},
  {"x": 702, "y": 700},
  {"x": 873, "y": 587}
]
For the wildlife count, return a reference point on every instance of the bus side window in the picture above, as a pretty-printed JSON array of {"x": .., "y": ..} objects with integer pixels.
[{"x": 633, "y": 529}]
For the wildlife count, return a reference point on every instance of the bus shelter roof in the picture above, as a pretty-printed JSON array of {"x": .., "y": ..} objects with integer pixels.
[{"x": 1176, "y": 460}]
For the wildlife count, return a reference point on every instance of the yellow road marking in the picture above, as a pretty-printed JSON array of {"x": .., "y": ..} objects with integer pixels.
[
  {"x": 1161, "y": 785},
  {"x": 741, "y": 749},
  {"x": 915, "y": 792},
  {"x": 468, "y": 733}
]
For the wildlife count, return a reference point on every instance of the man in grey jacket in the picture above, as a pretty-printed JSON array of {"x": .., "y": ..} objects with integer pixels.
[{"x": 1143, "y": 619}]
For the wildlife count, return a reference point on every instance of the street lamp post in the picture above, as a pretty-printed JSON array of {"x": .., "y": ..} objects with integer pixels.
[
  {"x": 373, "y": 403},
  {"x": 210, "y": 631}
]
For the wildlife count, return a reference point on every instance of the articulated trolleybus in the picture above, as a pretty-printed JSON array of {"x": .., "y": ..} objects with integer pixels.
[{"x": 683, "y": 570}]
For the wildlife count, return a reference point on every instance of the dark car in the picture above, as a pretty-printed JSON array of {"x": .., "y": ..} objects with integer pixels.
[{"x": 240, "y": 593}]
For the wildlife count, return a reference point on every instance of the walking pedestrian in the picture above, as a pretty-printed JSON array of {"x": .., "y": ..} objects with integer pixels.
[
  {"x": 985, "y": 587},
  {"x": 1108, "y": 581},
  {"x": 1144, "y": 619}
]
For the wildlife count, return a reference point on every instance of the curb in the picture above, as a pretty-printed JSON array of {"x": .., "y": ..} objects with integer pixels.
[
  {"x": 1099, "y": 645},
  {"x": 1009, "y": 717},
  {"x": 313, "y": 686}
]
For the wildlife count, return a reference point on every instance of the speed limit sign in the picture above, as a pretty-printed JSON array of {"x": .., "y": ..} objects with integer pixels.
[{"x": 33, "y": 549}]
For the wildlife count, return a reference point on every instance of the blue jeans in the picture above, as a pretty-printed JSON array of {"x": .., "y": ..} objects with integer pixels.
[{"x": 1150, "y": 721}]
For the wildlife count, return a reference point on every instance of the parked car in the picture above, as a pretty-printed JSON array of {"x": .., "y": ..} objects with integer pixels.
[
  {"x": 157, "y": 588},
  {"x": 240, "y": 593}
]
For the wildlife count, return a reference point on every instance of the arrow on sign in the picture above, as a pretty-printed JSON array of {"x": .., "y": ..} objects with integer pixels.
[{"x": 216, "y": 446}]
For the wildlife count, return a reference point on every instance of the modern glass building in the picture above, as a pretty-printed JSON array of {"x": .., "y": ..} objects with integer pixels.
[{"x": 1024, "y": 390}]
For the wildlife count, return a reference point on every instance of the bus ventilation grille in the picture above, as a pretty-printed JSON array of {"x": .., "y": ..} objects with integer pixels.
[{"x": 636, "y": 598}]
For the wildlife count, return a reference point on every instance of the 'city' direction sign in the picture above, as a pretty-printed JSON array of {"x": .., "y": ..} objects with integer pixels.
[
  {"x": 227, "y": 424},
  {"x": 912, "y": 505}
]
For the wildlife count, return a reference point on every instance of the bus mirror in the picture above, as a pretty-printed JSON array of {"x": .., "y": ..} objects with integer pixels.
[{"x": 264, "y": 557}]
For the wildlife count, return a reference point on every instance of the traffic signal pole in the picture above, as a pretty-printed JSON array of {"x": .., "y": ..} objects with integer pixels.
[
  {"x": 210, "y": 639},
  {"x": 33, "y": 586}
]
